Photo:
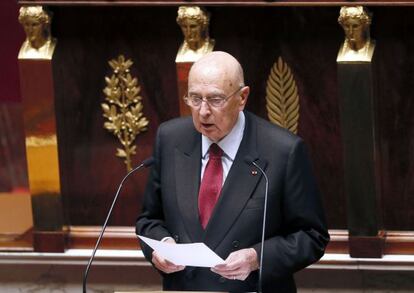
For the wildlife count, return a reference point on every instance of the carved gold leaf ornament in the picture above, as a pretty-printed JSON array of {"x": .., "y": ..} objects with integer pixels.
[
  {"x": 282, "y": 99},
  {"x": 124, "y": 107}
]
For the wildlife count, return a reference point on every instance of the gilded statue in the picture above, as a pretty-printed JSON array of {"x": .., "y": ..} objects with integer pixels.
[
  {"x": 194, "y": 22},
  {"x": 36, "y": 23},
  {"x": 358, "y": 45}
]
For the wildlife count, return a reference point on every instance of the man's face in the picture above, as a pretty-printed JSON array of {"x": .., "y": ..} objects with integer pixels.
[
  {"x": 33, "y": 29},
  {"x": 192, "y": 33},
  {"x": 355, "y": 32},
  {"x": 215, "y": 123}
]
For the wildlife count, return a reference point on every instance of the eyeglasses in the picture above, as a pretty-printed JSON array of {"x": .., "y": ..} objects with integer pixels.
[{"x": 215, "y": 101}]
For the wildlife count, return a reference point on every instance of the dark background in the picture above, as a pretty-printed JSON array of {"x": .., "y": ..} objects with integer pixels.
[{"x": 307, "y": 38}]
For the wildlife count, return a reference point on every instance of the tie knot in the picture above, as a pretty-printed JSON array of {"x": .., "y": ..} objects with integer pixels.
[{"x": 215, "y": 152}]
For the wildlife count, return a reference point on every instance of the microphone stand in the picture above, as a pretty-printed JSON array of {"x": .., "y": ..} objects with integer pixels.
[
  {"x": 146, "y": 163},
  {"x": 249, "y": 160}
]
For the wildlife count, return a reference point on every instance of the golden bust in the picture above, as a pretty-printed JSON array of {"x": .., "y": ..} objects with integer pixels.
[
  {"x": 194, "y": 22},
  {"x": 358, "y": 46},
  {"x": 36, "y": 24}
]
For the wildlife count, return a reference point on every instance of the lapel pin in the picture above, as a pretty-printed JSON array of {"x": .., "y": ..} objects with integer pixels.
[{"x": 254, "y": 172}]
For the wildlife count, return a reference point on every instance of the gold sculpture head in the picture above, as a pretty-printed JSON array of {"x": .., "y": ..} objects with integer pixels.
[
  {"x": 193, "y": 21},
  {"x": 355, "y": 20},
  {"x": 36, "y": 23}
]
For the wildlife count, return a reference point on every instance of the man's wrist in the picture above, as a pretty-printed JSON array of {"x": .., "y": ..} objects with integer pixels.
[{"x": 253, "y": 259}]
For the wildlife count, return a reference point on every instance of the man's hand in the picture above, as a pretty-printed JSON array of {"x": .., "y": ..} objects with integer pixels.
[
  {"x": 239, "y": 264},
  {"x": 164, "y": 265}
]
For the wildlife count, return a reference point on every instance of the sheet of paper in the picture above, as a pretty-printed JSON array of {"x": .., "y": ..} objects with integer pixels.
[{"x": 191, "y": 254}]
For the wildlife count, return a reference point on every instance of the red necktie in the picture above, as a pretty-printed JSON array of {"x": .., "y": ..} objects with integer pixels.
[{"x": 210, "y": 184}]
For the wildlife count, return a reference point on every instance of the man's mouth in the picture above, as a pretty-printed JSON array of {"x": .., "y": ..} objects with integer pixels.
[{"x": 207, "y": 125}]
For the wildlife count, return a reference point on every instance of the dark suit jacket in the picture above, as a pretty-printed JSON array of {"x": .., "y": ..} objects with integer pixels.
[{"x": 296, "y": 234}]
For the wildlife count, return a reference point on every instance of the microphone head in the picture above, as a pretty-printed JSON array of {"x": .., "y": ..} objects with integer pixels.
[
  {"x": 249, "y": 160},
  {"x": 148, "y": 162}
]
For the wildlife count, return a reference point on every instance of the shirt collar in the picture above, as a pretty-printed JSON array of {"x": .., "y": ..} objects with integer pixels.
[{"x": 230, "y": 143}]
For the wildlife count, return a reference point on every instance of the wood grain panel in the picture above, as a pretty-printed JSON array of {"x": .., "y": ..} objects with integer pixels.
[
  {"x": 395, "y": 43},
  {"x": 307, "y": 38},
  {"x": 151, "y": 38},
  {"x": 396, "y": 242},
  {"x": 90, "y": 171},
  {"x": 12, "y": 36}
]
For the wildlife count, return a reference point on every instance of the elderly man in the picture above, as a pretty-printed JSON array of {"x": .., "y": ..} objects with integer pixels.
[{"x": 202, "y": 189}]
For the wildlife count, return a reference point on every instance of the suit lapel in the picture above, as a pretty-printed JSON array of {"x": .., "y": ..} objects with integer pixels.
[
  {"x": 238, "y": 188},
  {"x": 187, "y": 172}
]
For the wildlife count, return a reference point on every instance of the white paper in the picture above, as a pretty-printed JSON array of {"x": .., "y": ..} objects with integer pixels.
[{"x": 191, "y": 254}]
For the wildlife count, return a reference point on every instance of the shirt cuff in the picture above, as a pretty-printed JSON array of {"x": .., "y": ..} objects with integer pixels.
[{"x": 166, "y": 238}]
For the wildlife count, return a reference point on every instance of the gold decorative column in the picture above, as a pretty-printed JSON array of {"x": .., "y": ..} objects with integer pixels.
[
  {"x": 36, "y": 80},
  {"x": 356, "y": 80},
  {"x": 194, "y": 23}
]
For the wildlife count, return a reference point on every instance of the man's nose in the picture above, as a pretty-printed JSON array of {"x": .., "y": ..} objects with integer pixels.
[{"x": 204, "y": 108}]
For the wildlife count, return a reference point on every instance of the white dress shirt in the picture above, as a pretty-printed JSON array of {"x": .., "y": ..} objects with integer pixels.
[{"x": 229, "y": 144}]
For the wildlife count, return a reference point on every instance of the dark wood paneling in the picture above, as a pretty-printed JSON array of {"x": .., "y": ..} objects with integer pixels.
[
  {"x": 309, "y": 46},
  {"x": 395, "y": 44},
  {"x": 113, "y": 238},
  {"x": 13, "y": 175},
  {"x": 356, "y": 84},
  {"x": 182, "y": 83},
  {"x": 366, "y": 247},
  {"x": 307, "y": 38},
  {"x": 36, "y": 83},
  {"x": 90, "y": 171},
  {"x": 150, "y": 36},
  {"x": 399, "y": 242},
  {"x": 13, "y": 166},
  {"x": 49, "y": 241},
  {"x": 12, "y": 36},
  {"x": 396, "y": 242}
]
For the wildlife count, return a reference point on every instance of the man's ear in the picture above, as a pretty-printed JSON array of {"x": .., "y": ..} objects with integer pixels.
[{"x": 244, "y": 94}]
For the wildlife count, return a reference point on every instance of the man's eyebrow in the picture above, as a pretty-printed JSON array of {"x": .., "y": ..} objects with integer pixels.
[{"x": 217, "y": 93}]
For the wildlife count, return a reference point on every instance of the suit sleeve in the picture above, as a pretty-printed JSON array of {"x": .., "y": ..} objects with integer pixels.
[
  {"x": 151, "y": 222},
  {"x": 305, "y": 234}
]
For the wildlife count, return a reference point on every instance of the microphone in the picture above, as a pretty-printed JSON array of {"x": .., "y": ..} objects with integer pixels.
[
  {"x": 249, "y": 160},
  {"x": 146, "y": 163}
]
